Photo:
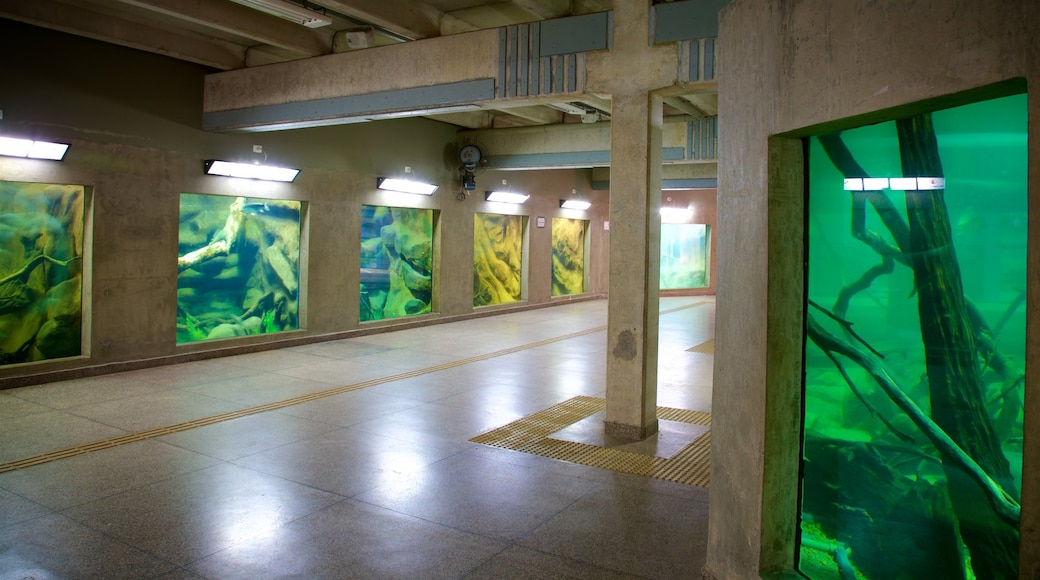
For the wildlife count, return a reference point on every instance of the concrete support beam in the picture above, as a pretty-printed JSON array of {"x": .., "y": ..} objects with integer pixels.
[
  {"x": 550, "y": 145},
  {"x": 409, "y": 18},
  {"x": 545, "y": 9},
  {"x": 630, "y": 72},
  {"x": 635, "y": 249},
  {"x": 73, "y": 20},
  {"x": 403, "y": 66},
  {"x": 245, "y": 22}
]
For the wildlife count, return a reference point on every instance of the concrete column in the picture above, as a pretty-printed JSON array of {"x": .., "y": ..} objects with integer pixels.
[{"x": 635, "y": 263}]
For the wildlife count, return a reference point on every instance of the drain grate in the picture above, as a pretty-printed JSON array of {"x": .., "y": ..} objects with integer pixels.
[{"x": 691, "y": 465}]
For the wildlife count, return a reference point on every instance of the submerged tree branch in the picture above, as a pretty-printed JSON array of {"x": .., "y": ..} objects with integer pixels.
[{"x": 1003, "y": 503}]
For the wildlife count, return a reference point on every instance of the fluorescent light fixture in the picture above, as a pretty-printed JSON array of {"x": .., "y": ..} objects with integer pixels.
[
  {"x": 405, "y": 186},
  {"x": 924, "y": 183},
  {"x": 250, "y": 171},
  {"x": 853, "y": 184},
  {"x": 32, "y": 149},
  {"x": 506, "y": 197},
  {"x": 903, "y": 183},
  {"x": 894, "y": 183},
  {"x": 676, "y": 215},
  {"x": 288, "y": 11},
  {"x": 575, "y": 204},
  {"x": 875, "y": 183}
]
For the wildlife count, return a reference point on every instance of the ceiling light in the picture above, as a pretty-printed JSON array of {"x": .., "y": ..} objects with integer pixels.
[
  {"x": 506, "y": 197},
  {"x": 406, "y": 186},
  {"x": 288, "y": 11},
  {"x": 575, "y": 204},
  {"x": 250, "y": 171},
  {"x": 32, "y": 149}
]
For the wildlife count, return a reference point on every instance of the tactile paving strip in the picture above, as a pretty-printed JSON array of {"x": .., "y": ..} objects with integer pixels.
[
  {"x": 202, "y": 422},
  {"x": 707, "y": 347},
  {"x": 691, "y": 465}
]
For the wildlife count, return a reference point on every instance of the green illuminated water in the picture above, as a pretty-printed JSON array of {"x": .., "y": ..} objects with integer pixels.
[
  {"x": 238, "y": 267},
  {"x": 879, "y": 499},
  {"x": 396, "y": 262}
]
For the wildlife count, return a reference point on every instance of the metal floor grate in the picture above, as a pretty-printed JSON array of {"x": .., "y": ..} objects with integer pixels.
[{"x": 691, "y": 465}]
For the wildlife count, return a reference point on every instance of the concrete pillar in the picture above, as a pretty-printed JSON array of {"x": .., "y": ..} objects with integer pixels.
[
  {"x": 635, "y": 263},
  {"x": 633, "y": 66}
]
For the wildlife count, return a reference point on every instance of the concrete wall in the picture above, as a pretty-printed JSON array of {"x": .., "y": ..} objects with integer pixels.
[
  {"x": 133, "y": 121},
  {"x": 790, "y": 69}
]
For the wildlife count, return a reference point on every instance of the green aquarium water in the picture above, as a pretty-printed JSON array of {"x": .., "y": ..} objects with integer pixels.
[
  {"x": 498, "y": 242},
  {"x": 41, "y": 271},
  {"x": 915, "y": 347},
  {"x": 238, "y": 267},
  {"x": 396, "y": 261},
  {"x": 568, "y": 256},
  {"x": 684, "y": 256}
]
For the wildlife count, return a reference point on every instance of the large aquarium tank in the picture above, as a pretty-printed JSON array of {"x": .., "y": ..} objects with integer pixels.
[
  {"x": 238, "y": 267},
  {"x": 41, "y": 271},
  {"x": 915, "y": 346},
  {"x": 498, "y": 242},
  {"x": 684, "y": 256},
  {"x": 568, "y": 256},
  {"x": 396, "y": 261}
]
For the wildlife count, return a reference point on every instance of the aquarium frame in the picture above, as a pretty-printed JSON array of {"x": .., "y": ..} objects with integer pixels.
[{"x": 782, "y": 143}]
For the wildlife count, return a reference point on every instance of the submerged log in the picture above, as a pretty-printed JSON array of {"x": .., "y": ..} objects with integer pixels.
[{"x": 955, "y": 384}]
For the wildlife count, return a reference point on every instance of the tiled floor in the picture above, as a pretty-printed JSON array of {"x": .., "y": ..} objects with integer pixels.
[{"x": 375, "y": 482}]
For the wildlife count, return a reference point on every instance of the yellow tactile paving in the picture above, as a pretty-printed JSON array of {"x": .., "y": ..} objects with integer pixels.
[
  {"x": 691, "y": 465},
  {"x": 707, "y": 347}
]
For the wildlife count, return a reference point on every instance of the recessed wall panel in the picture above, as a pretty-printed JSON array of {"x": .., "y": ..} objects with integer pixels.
[{"x": 238, "y": 267}]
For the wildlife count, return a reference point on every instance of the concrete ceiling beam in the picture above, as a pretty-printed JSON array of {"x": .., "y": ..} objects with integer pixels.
[
  {"x": 546, "y": 9},
  {"x": 685, "y": 107},
  {"x": 244, "y": 22},
  {"x": 707, "y": 102},
  {"x": 540, "y": 115},
  {"x": 184, "y": 45},
  {"x": 409, "y": 18}
]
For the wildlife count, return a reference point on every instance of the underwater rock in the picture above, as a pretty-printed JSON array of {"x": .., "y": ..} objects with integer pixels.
[
  {"x": 568, "y": 256},
  {"x": 497, "y": 244},
  {"x": 60, "y": 337},
  {"x": 248, "y": 326}
]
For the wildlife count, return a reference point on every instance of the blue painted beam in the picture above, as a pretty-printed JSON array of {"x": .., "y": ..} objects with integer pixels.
[
  {"x": 686, "y": 20},
  {"x": 575, "y": 34},
  {"x": 600, "y": 158},
  {"x": 349, "y": 109}
]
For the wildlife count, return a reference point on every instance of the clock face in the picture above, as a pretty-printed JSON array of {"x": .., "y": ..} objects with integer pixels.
[{"x": 469, "y": 156}]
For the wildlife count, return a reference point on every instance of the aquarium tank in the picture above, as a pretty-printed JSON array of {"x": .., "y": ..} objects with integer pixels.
[
  {"x": 915, "y": 346},
  {"x": 497, "y": 258},
  {"x": 568, "y": 256},
  {"x": 396, "y": 261},
  {"x": 238, "y": 266},
  {"x": 41, "y": 271},
  {"x": 684, "y": 256}
]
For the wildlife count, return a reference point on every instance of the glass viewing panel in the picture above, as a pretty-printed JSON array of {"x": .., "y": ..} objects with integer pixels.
[
  {"x": 41, "y": 271},
  {"x": 568, "y": 256},
  {"x": 396, "y": 261},
  {"x": 497, "y": 258},
  {"x": 684, "y": 256},
  {"x": 915, "y": 347},
  {"x": 238, "y": 266}
]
